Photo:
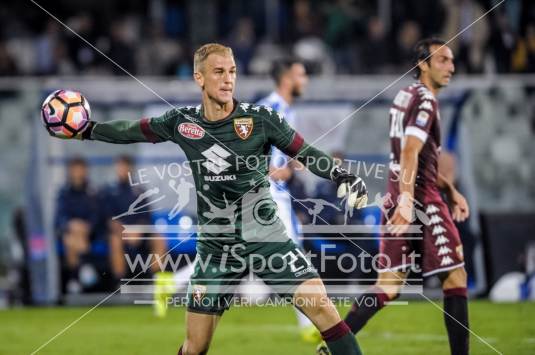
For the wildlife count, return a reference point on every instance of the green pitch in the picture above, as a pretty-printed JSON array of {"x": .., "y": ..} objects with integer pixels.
[{"x": 413, "y": 329}]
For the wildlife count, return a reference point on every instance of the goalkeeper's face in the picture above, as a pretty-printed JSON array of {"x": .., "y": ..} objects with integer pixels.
[{"x": 217, "y": 77}]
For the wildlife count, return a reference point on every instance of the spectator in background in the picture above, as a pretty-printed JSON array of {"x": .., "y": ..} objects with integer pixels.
[
  {"x": 243, "y": 41},
  {"x": 469, "y": 46},
  {"x": 319, "y": 31},
  {"x": 7, "y": 64},
  {"x": 158, "y": 54},
  {"x": 62, "y": 63},
  {"x": 76, "y": 221},
  {"x": 407, "y": 37},
  {"x": 342, "y": 17},
  {"x": 305, "y": 21},
  {"x": 45, "y": 48},
  {"x": 121, "y": 49},
  {"x": 524, "y": 54},
  {"x": 503, "y": 42},
  {"x": 375, "y": 49},
  {"x": 51, "y": 52},
  {"x": 429, "y": 15},
  {"x": 83, "y": 57},
  {"x": 530, "y": 47},
  {"x": 117, "y": 199}
]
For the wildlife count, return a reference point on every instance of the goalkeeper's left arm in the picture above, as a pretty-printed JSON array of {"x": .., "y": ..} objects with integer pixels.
[{"x": 282, "y": 136}]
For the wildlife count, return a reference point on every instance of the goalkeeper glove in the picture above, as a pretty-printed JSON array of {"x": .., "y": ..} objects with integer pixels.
[
  {"x": 350, "y": 186},
  {"x": 86, "y": 134}
]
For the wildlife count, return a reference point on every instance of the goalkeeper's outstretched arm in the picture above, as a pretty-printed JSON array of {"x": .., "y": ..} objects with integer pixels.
[
  {"x": 118, "y": 132},
  {"x": 319, "y": 163},
  {"x": 153, "y": 130}
]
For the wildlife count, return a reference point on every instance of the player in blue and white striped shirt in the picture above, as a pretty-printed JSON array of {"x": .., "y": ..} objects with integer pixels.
[{"x": 291, "y": 79}]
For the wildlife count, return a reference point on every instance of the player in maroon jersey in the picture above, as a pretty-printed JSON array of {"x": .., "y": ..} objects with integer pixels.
[{"x": 414, "y": 185}]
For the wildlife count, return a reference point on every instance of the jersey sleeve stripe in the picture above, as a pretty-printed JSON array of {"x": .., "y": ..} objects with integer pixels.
[
  {"x": 147, "y": 131},
  {"x": 295, "y": 145},
  {"x": 416, "y": 132}
]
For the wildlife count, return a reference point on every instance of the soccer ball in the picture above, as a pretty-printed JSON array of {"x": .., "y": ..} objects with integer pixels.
[{"x": 65, "y": 113}]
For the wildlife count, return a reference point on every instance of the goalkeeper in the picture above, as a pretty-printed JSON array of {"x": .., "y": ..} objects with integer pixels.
[{"x": 227, "y": 144}]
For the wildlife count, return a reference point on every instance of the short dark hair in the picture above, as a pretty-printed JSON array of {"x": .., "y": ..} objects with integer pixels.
[
  {"x": 76, "y": 161},
  {"x": 422, "y": 52},
  {"x": 127, "y": 159},
  {"x": 281, "y": 66}
]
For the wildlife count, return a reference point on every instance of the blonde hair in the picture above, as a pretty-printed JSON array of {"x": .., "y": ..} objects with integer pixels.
[{"x": 204, "y": 51}]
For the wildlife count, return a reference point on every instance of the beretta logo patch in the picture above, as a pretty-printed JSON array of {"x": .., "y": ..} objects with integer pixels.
[{"x": 191, "y": 130}]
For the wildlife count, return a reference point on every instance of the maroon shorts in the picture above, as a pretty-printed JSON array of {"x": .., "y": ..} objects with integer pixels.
[{"x": 436, "y": 250}]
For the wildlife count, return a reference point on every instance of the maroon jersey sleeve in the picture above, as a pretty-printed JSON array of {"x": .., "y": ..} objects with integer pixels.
[
  {"x": 415, "y": 113},
  {"x": 421, "y": 116}
]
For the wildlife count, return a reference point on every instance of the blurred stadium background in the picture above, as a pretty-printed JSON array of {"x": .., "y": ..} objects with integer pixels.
[{"x": 353, "y": 51}]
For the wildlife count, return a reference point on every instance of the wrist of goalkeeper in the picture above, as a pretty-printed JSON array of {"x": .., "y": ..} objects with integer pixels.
[
  {"x": 86, "y": 134},
  {"x": 350, "y": 187}
]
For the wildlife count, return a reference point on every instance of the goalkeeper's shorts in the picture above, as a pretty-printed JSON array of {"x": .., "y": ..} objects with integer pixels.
[{"x": 281, "y": 265}]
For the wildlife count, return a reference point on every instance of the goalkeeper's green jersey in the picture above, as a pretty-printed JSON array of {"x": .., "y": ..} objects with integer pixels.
[{"x": 229, "y": 161}]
